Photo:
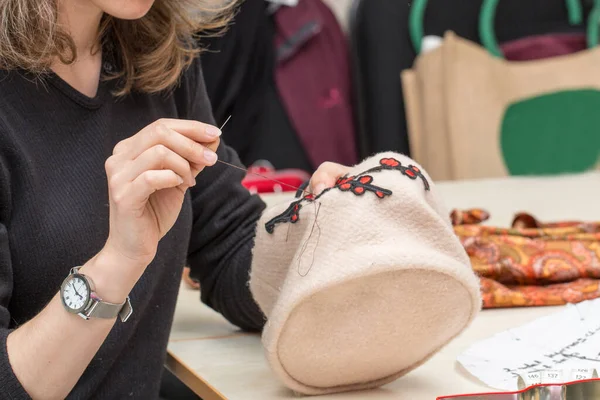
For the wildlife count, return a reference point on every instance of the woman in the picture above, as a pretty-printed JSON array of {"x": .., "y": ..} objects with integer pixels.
[{"x": 116, "y": 176}]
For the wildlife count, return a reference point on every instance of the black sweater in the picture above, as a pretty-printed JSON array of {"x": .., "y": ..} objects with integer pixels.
[{"x": 54, "y": 215}]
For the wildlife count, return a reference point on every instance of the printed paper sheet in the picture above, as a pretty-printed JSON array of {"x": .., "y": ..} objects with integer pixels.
[{"x": 567, "y": 340}]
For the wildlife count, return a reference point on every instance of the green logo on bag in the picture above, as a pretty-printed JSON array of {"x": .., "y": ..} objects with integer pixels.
[{"x": 552, "y": 134}]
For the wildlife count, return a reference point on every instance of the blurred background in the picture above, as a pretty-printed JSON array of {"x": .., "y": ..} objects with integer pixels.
[{"x": 308, "y": 81}]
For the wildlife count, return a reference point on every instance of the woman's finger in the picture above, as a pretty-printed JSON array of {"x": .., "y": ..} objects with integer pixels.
[
  {"x": 195, "y": 130},
  {"x": 326, "y": 176},
  {"x": 157, "y": 158},
  {"x": 180, "y": 141},
  {"x": 214, "y": 145},
  {"x": 197, "y": 168},
  {"x": 149, "y": 182}
]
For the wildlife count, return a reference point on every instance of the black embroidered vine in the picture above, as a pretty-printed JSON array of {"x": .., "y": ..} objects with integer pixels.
[
  {"x": 291, "y": 214},
  {"x": 411, "y": 171},
  {"x": 359, "y": 185}
]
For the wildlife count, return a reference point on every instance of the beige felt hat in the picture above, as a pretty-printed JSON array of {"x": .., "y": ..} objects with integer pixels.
[{"x": 363, "y": 283}]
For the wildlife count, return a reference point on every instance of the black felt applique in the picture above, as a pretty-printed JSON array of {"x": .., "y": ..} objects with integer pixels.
[
  {"x": 411, "y": 171},
  {"x": 291, "y": 214},
  {"x": 359, "y": 185}
]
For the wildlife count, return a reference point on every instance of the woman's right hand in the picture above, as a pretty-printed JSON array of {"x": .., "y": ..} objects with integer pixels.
[{"x": 148, "y": 175}]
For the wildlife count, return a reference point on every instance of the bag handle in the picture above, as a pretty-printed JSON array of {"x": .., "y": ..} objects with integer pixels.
[
  {"x": 488, "y": 15},
  {"x": 486, "y": 18},
  {"x": 593, "y": 34},
  {"x": 415, "y": 23}
]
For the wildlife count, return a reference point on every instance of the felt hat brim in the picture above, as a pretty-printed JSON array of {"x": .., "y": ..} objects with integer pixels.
[{"x": 369, "y": 327}]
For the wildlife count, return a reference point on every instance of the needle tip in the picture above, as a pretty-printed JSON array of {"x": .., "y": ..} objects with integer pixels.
[{"x": 225, "y": 123}]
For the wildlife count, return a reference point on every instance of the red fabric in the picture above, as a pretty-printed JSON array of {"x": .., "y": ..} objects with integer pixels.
[
  {"x": 314, "y": 82},
  {"x": 287, "y": 180}
]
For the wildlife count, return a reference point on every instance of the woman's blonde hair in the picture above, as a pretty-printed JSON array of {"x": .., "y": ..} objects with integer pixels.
[{"x": 152, "y": 51}]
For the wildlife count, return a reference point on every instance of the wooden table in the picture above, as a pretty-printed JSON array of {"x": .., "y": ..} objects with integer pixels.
[{"x": 218, "y": 362}]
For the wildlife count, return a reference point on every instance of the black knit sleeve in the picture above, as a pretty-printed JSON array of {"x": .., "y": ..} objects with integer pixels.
[
  {"x": 10, "y": 387},
  {"x": 225, "y": 218}
]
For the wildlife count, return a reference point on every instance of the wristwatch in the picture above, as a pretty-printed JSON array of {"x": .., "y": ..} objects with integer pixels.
[{"x": 78, "y": 296}]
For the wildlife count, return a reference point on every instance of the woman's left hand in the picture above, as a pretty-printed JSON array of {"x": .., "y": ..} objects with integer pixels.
[{"x": 326, "y": 176}]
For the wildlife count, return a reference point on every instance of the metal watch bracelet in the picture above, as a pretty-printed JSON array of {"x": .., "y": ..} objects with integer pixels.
[{"x": 98, "y": 308}]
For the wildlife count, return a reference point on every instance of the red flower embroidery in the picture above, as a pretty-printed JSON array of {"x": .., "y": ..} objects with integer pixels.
[
  {"x": 412, "y": 171},
  {"x": 359, "y": 185},
  {"x": 345, "y": 183},
  {"x": 291, "y": 214},
  {"x": 294, "y": 217},
  {"x": 362, "y": 184},
  {"x": 389, "y": 162}
]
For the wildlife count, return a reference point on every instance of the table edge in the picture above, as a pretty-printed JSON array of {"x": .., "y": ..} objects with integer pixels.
[{"x": 192, "y": 380}]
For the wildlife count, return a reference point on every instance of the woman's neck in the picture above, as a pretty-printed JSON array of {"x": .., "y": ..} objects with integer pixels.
[{"x": 81, "y": 19}]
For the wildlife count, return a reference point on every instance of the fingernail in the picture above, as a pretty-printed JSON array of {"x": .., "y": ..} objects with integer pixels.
[
  {"x": 320, "y": 187},
  {"x": 210, "y": 156},
  {"x": 213, "y": 131}
]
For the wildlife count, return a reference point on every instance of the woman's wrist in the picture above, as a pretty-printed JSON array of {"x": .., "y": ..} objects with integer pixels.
[{"x": 114, "y": 276}]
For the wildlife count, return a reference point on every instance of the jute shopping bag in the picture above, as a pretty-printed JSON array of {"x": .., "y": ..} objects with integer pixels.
[
  {"x": 520, "y": 118},
  {"x": 424, "y": 110},
  {"x": 423, "y": 87},
  {"x": 414, "y": 120},
  {"x": 428, "y": 71},
  {"x": 424, "y": 104}
]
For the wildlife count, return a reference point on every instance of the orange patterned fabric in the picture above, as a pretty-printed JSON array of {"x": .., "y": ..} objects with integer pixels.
[{"x": 531, "y": 263}]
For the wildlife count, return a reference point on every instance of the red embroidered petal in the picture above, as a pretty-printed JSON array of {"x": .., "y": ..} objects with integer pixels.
[
  {"x": 341, "y": 181},
  {"x": 366, "y": 179},
  {"x": 359, "y": 190},
  {"x": 345, "y": 186},
  {"x": 294, "y": 218},
  {"x": 410, "y": 173},
  {"x": 390, "y": 162},
  {"x": 381, "y": 195}
]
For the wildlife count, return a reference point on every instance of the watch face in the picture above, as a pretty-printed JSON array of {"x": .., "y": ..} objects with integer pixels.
[{"x": 75, "y": 293}]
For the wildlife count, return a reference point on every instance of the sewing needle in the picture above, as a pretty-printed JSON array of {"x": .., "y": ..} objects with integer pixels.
[{"x": 259, "y": 175}]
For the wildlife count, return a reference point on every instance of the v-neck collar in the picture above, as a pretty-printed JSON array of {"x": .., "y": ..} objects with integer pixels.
[
  {"x": 83, "y": 100},
  {"x": 104, "y": 87}
]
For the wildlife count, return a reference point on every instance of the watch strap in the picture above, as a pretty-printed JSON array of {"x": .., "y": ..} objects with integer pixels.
[{"x": 103, "y": 309}]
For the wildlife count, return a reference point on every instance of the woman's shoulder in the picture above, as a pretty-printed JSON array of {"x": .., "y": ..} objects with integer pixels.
[
  {"x": 10, "y": 85},
  {"x": 191, "y": 78},
  {"x": 10, "y": 97},
  {"x": 193, "y": 71},
  {"x": 191, "y": 95},
  {"x": 18, "y": 90}
]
